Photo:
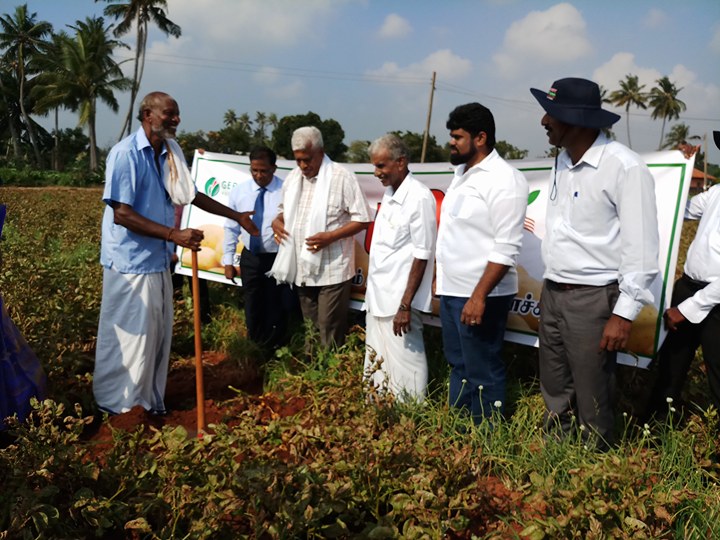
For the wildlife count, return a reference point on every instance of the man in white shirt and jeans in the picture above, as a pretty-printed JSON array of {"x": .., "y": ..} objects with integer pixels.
[
  {"x": 400, "y": 274},
  {"x": 478, "y": 245},
  {"x": 600, "y": 252},
  {"x": 694, "y": 318}
]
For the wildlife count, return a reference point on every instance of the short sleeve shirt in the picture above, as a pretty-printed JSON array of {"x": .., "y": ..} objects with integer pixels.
[{"x": 132, "y": 177}]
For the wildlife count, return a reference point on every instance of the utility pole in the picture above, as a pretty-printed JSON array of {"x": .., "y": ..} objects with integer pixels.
[
  {"x": 427, "y": 125},
  {"x": 705, "y": 178}
]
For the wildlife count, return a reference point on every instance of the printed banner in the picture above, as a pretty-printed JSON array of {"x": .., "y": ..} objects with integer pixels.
[{"x": 216, "y": 174}]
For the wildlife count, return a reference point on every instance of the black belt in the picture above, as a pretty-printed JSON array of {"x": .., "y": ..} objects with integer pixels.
[
  {"x": 572, "y": 286},
  {"x": 699, "y": 284},
  {"x": 262, "y": 254}
]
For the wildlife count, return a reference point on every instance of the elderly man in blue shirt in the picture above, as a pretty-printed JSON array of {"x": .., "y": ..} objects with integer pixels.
[{"x": 138, "y": 237}]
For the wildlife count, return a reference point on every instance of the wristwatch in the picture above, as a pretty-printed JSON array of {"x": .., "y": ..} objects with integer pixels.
[{"x": 403, "y": 307}]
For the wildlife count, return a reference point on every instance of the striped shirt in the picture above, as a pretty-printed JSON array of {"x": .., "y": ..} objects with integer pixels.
[{"x": 346, "y": 203}]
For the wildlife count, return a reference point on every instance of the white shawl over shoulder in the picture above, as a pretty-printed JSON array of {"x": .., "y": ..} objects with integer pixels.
[
  {"x": 285, "y": 267},
  {"x": 176, "y": 175}
]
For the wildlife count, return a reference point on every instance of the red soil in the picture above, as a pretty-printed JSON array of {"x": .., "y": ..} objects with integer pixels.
[{"x": 220, "y": 375}]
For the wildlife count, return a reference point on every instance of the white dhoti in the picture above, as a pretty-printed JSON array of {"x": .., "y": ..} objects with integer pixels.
[
  {"x": 397, "y": 363},
  {"x": 133, "y": 344}
]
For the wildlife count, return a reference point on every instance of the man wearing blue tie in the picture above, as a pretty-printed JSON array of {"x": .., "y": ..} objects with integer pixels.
[{"x": 266, "y": 311}]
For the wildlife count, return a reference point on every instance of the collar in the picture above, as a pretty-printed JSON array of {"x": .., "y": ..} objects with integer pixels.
[
  {"x": 591, "y": 157},
  {"x": 142, "y": 142},
  {"x": 486, "y": 164},
  {"x": 274, "y": 185},
  {"x": 402, "y": 191}
]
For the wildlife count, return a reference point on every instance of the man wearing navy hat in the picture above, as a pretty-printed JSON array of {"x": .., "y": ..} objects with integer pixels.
[
  {"x": 694, "y": 319},
  {"x": 600, "y": 252}
]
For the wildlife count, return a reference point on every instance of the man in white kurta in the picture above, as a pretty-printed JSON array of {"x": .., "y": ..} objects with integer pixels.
[{"x": 399, "y": 276}]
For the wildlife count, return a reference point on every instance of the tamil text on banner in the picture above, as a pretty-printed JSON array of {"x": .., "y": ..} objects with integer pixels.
[{"x": 216, "y": 174}]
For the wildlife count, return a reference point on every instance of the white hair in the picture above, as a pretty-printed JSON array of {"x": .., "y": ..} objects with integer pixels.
[
  {"x": 393, "y": 144},
  {"x": 307, "y": 136}
]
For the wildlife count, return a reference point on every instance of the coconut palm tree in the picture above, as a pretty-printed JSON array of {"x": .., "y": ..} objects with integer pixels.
[
  {"x": 139, "y": 13},
  {"x": 85, "y": 73},
  {"x": 22, "y": 37},
  {"x": 679, "y": 134},
  {"x": 11, "y": 113},
  {"x": 45, "y": 99},
  {"x": 260, "y": 124},
  {"x": 665, "y": 103},
  {"x": 630, "y": 94},
  {"x": 245, "y": 122},
  {"x": 230, "y": 118}
]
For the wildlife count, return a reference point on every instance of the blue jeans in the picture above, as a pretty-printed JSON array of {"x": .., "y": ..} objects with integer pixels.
[{"x": 474, "y": 354}]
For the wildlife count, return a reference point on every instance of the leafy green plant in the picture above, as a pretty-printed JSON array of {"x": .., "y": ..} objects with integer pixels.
[{"x": 317, "y": 453}]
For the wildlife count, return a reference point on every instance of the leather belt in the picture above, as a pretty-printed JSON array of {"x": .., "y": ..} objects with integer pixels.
[
  {"x": 697, "y": 283},
  {"x": 572, "y": 286}
]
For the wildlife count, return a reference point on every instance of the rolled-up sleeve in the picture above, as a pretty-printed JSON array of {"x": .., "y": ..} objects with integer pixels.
[
  {"x": 637, "y": 213},
  {"x": 507, "y": 214},
  {"x": 423, "y": 228}
]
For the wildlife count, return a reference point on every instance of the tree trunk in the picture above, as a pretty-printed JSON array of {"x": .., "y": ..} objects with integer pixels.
[
  {"x": 662, "y": 133},
  {"x": 627, "y": 113},
  {"x": 26, "y": 117},
  {"x": 137, "y": 75},
  {"x": 56, "y": 146},
  {"x": 14, "y": 135},
  {"x": 93, "y": 138}
]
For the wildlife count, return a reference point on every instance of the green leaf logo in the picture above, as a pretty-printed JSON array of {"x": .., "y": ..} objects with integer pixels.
[
  {"x": 212, "y": 187},
  {"x": 532, "y": 196}
]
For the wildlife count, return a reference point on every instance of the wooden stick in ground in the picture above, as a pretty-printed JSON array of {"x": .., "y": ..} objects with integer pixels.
[{"x": 199, "y": 385}]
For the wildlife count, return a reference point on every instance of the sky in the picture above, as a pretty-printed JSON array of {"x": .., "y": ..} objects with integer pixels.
[{"x": 369, "y": 63}]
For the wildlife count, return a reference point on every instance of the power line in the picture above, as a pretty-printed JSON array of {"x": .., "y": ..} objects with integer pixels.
[
  {"x": 226, "y": 65},
  {"x": 245, "y": 67}
]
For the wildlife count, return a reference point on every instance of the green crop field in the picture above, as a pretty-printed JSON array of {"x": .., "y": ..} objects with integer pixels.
[{"x": 299, "y": 447}]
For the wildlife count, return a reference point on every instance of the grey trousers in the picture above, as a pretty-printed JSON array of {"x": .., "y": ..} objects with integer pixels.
[
  {"x": 327, "y": 307},
  {"x": 577, "y": 379}
]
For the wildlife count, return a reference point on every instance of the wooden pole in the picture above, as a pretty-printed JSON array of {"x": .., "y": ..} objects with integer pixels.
[
  {"x": 427, "y": 124},
  {"x": 199, "y": 384}
]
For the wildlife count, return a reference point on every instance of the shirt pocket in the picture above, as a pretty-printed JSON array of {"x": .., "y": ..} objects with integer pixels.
[
  {"x": 594, "y": 216},
  {"x": 463, "y": 207},
  {"x": 394, "y": 232},
  {"x": 335, "y": 213}
]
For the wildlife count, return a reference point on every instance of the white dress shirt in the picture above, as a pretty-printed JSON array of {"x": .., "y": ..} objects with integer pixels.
[
  {"x": 703, "y": 257},
  {"x": 481, "y": 221},
  {"x": 602, "y": 227},
  {"x": 404, "y": 230},
  {"x": 242, "y": 199}
]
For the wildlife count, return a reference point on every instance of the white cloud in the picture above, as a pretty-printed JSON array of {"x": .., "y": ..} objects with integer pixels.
[
  {"x": 394, "y": 27},
  {"x": 287, "y": 91},
  {"x": 221, "y": 26},
  {"x": 715, "y": 40},
  {"x": 446, "y": 63},
  {"x": 266, "y": 76},
  {"x": 700, "y": 98},
  {"x": 656, "y": 18},
  {"x": 551, "y": 37},
  {"x": 618, "y": 67},
  {"x": 682, "y": 76}
]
